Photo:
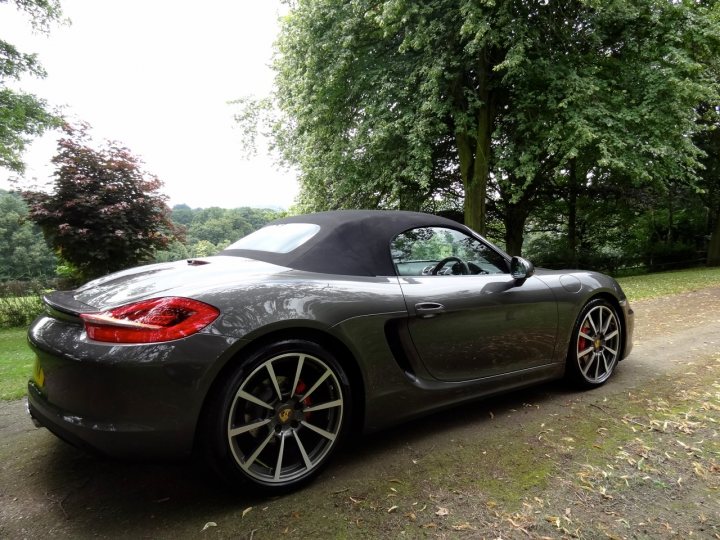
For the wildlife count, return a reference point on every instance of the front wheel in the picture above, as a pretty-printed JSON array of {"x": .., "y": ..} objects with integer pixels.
[
  {"x": 278, "y": 418},
  {"x": 595, "y": 344}
]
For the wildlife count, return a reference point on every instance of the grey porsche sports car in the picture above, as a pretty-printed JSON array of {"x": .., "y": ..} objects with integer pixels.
[{"x": 266, "y": 356}]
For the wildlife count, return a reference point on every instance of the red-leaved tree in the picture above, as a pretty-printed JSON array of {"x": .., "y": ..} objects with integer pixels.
[{"x": 104, "y": 212}]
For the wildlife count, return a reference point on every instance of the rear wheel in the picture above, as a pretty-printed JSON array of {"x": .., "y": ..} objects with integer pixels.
[
  {"x": 595, "y": 344},
  {"x": 279, "y": 417}
]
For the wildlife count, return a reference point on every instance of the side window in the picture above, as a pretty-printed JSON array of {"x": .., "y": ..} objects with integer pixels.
[{"x": 439, "y": 251}]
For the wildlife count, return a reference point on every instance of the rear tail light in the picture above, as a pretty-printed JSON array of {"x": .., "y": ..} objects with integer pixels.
[{"x": 150, "y": 321}]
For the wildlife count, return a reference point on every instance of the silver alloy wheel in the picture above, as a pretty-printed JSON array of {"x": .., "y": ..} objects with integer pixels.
[
  {"x": 598, "y": 344},
  {"x": 285, "y": 418}
]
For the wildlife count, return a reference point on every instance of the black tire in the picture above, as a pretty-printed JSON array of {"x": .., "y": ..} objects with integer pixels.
[
  {"x": 278, "y": 418},
  {"x": 595, "y": 344}
]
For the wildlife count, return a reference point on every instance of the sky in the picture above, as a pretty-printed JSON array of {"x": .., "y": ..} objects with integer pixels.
[{"x": 156, "y": 76}]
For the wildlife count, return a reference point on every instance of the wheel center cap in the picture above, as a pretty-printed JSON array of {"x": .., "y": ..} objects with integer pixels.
[
  {"x": 597, "y": 344},
  {"x": 284, "y": 415}
]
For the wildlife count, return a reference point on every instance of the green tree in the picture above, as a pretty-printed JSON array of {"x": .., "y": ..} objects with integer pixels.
[
  {"x": 374, "y": 96},
  {"x": 23, "y": 116},
  {"x": 106, "y": 212},
  {"x": 23, "y": 251},
  {"x": 633, "y": 128},
  {"x": 182, "y": 214},
  {"x": 209, "y": 230},
  {"x": 397, "y": 104},
  {"x": 709, "y": 141},
  {"x": 175, "y": 251}
]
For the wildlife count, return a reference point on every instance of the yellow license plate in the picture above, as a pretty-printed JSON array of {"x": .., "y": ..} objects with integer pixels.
[{"x": 38, "y": 374}]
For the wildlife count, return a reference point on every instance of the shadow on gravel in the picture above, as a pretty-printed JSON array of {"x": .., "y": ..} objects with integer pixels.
[
  {"x": 108, "y": 497},
  {"x": 115, "y": 498},
  {"x": 473, "y": 415}
]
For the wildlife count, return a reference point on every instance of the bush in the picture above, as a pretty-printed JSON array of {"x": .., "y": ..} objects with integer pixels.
[
  {"x": 548, "y": 251},
  {"x": 671, "y": 256},
  {"x": 17, "y": 311},
  {"x": 20, "y": 303}
]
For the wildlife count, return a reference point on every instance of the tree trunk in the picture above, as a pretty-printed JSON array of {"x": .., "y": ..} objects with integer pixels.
[
  {"x": 474, "y": 170},
  {"x": 408, "y": 200},
  {"x": 572, "y": 213},
  {"x": 474, "y": 151},
  {"x": 476, "y": 191},
  {"x": 671, "y": 220},
  {"x": 713, "y": 256},
  {"x": 516, "y": 215}
]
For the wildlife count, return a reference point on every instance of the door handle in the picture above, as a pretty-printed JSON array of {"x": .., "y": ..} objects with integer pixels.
[{"x": 425, "y": 310}]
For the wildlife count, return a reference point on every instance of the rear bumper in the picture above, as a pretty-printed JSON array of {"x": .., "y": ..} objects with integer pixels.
[
  {"x": 35, "y": 421},
  {"x": 129, "y": 401},
  {"x": 108, "y": 438}
]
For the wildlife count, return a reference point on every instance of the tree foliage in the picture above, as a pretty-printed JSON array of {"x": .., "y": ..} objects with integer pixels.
[
  {"x": 105, "y": 212},
  {"x": 510, "y": 104},
  {"x": 23, "y": 252},
  {"x": 710, "y": 183},
  {"x": 210, "y": 230},
  {"x": 22, "y": 115}
]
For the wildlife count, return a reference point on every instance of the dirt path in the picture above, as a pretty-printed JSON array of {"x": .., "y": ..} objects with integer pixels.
[{"x": 527, "y": 465}]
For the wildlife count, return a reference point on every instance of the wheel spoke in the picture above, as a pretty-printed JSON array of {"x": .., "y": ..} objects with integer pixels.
[
  {"x": 249, "y": 461},
  {"x": 234, "y": 432},
  {"x": 242, "y": 394},
  {"x": 301, "y": 360},
  {"x": 588, "y": 366},
  {"x": 605, "y": 362},
  {"x": 583, "y": 334},
  {"x": 607, "y": 324},
  {"x": 278, "y": 465},
  {"x": 274, "y": 380},
  {"x": 597, "y": 367},
  {"x": 318, "y": 383},
  {"x": 586, "y": 351},
  {"x": 328, "y": 405},
  {"x": 303, "y": 453},
  {"x": 613, "y": 351},
  {"x": 319, "y": 431},
  {"x": 592, "y": 323},
  {"x": 611, "y": 335}
]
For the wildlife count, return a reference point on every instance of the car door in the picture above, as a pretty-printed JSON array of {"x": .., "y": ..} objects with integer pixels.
[{"x": 468, "y": 318}]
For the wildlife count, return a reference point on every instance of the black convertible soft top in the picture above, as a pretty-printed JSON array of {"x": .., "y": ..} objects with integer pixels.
[{"x": 350, "y": 242}]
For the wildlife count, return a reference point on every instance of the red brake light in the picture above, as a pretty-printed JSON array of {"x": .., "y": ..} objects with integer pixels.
[{"x": 149, "y": 321}]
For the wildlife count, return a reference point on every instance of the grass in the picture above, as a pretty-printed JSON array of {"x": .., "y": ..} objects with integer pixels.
[
  {"x": 16, "y": 360},
  {"x": 669, "y": 283}
]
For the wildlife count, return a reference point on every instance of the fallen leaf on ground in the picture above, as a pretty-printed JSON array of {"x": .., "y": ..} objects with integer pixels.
[{"x": 555, "y": 520}]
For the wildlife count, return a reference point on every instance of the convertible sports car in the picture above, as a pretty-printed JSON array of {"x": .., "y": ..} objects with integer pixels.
[{"x": 266, "y": 356}]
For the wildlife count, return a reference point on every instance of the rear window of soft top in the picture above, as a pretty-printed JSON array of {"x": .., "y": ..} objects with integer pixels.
[{"x": 280, "y": 238}]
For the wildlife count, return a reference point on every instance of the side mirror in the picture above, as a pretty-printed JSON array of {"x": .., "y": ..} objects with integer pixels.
[{"x": 521, "y": 268}]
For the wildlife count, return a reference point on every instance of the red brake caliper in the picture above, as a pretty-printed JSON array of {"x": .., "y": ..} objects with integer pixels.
[
  {"x": 582, "y": 342},
  {"x": 299, "y": 389}
]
